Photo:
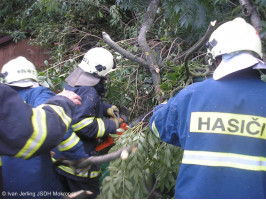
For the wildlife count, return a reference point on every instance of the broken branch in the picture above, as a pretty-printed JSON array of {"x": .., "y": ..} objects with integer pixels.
[
  {"x": 199, "y": 44},
  {"x": 105, "y": 158},
  {"x": 83, "y": 165},
  {"x": 122, "y": 51}
]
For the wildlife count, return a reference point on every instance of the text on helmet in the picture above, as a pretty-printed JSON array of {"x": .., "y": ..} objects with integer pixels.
[{"x": 24, "y": 71}]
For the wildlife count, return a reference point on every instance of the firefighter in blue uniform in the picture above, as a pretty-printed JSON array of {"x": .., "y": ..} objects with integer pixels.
[
  {"x": 88, "y": 120},
  {"x": 220, "y": 122},
  {"x": 36, "y": 174},
  {"x": 27, "y": 132},
  {"x": 31, "y": 132}
]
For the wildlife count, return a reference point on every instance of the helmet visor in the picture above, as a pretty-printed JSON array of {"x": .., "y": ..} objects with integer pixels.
[
  {"x": 234, "y": 62},
  {"x": 81, "y": 78}
]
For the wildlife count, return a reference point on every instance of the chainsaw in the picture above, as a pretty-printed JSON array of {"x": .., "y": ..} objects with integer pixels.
[{"x": 104, "y": 144}]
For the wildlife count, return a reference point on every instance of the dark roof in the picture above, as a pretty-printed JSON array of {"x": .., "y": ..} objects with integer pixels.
[{"x": 5, "y": 39}]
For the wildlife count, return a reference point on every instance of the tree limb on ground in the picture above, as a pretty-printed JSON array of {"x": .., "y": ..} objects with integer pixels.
[
  {"x": 150, "y": 58},
  {"x": 198, "y": 45},
  {"x": 122, "y": 51},
  {"x": 83, "y": 166}
]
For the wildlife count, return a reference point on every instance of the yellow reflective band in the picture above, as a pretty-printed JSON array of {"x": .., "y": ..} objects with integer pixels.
[
  {"x": 215, "y": 159},
  {"x": 71, "y": 171},
  {"x": 60, "y": 111},
  {"x": 1, "y": 161},
  {"x": 69, "y": 142},
  {"x": 82, "y": 124},
  {"x": 228, "y": 124},
  {"x": 94, "y": 174},
  {"x": 154, "y": 129},
  {"x": 38, "y": 136},
  {"x": 101, "y": 128}
]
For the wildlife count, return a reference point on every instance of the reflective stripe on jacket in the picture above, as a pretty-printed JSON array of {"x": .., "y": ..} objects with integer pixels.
[
  {"x": 16, "y": 123},
  {"x": 221, "y": 127},
  {"x": 37, "y": 173},
  {"x": 88, "y": 123},
  {"x": 70, "y": 171},
  {"x": 69, "y": 142}
]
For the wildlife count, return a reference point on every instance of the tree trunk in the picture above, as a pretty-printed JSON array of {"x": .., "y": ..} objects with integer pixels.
[
  {"x": 249, "y": 10},
  {"x": 150, "y": 58}
]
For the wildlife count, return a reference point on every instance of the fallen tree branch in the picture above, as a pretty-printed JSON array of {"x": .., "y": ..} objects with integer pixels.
[
  {"x": 82, "y": 166},
  {"x": 199, "y": 44},
  {"x": 122, "y": 51},
  {"x": 108, "y": 157}
]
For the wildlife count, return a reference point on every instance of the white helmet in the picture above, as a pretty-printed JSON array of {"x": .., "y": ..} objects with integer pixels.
[
  {"x": 234, "y": 36},
  {"x": 98, "y": 61},
  {"x": 239, "y": 45},
  {"x": 19, "y": 69}
]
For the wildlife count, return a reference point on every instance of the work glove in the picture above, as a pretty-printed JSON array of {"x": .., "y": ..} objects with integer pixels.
[
  {"x": 116, "y": 121},
  {"x": 111, "y": 111}
]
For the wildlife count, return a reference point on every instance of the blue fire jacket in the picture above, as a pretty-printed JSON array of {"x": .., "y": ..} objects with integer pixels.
[
  {"x": 221, "y": 127},
  {"x": 37, "y": 174},
  {"x": 27, "y": 132},
  {"x": 88, "y": 121},
  {"x": 19, "y": 124},
  {"x": 89, "y": 124}
]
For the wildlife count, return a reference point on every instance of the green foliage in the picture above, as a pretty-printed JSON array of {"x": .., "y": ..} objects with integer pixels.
[
  {"x": 18, "y": 35},
  {"x": 189, "y": 13},
  {"x": 9, "y": 12},
  {"x": 261, "y": 3},
  {"x": 69, "y": 28},
  {"x": 172, "y": 77},
  {"x": 148, "y": 167},
  {"x": 66, "y": 28},
  {"x": 54, "y": 76},
  {"x": 136, "y": 5},
  {"x": 130, "y": 88},
  {"x": 186, "y": 19}
]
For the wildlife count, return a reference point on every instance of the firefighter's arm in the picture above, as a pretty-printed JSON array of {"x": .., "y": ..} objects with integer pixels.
[
  {"x": 27, "y": 132},
  {"x": 164, "y": 123},
  {"x": 86, "y": 123},
  {"x": 71, "y": 147},
  {"x": 92, "y": 127}
]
